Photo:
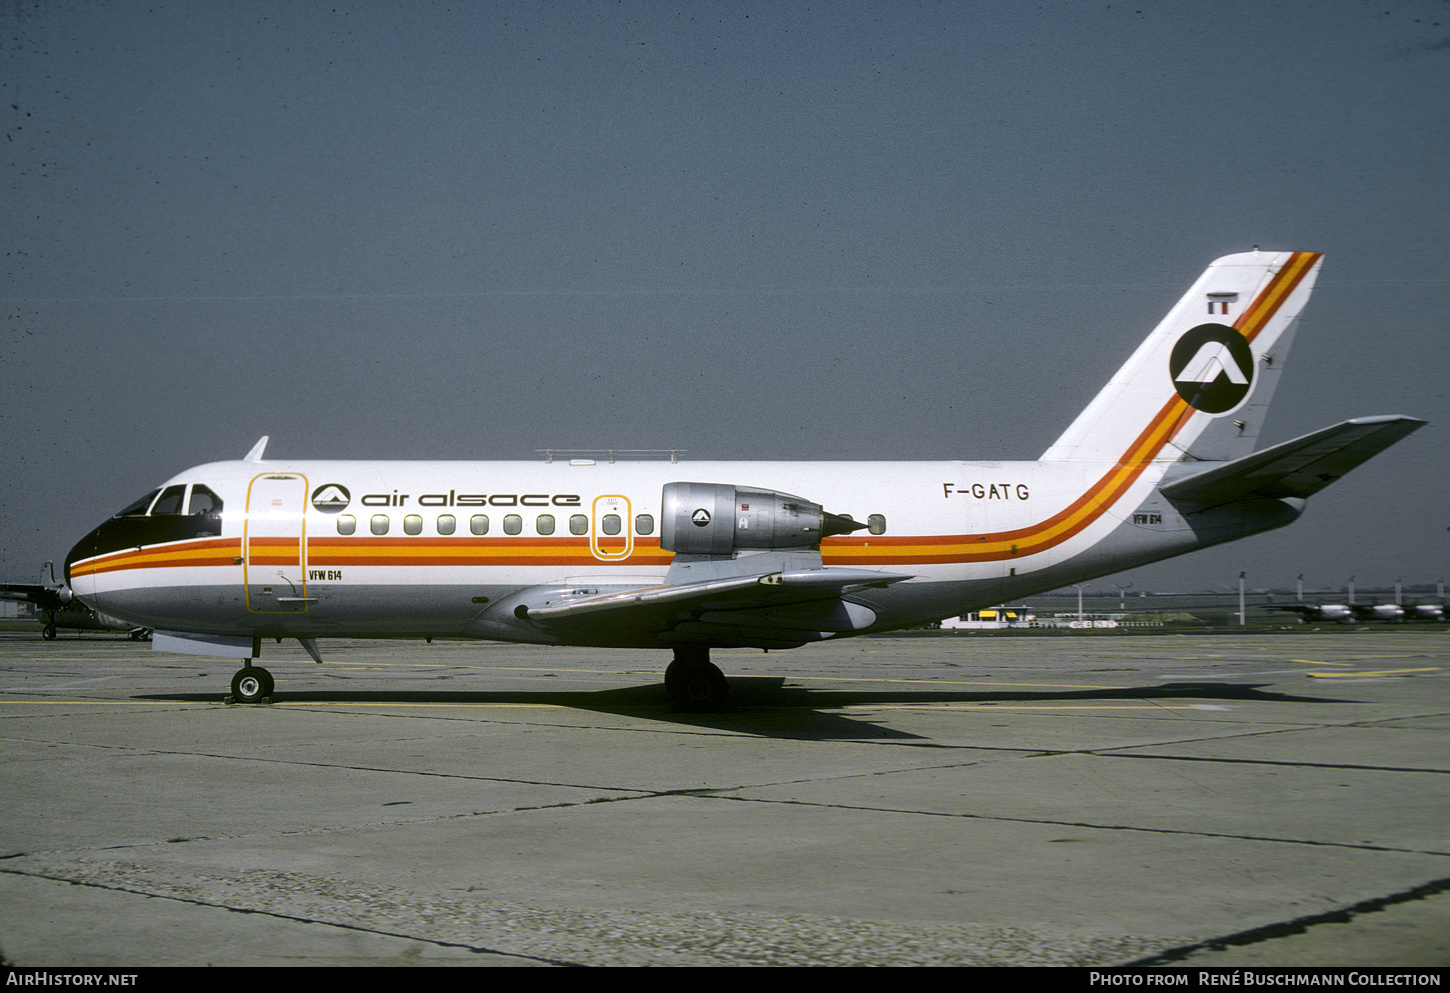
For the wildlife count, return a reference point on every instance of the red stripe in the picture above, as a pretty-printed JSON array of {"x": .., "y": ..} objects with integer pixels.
[{"x": 499, "y": 551}]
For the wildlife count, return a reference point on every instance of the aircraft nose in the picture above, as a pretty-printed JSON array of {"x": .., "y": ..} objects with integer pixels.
[{"x": 83, "y": 585}]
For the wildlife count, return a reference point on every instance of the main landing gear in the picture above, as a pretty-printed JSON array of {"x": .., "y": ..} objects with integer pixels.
[
  {"x": 693, "y": 682},
  {"x": 252, "y": 684}
]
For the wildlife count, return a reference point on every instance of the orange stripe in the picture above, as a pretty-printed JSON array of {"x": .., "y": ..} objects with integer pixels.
[
  {"x": 1253, "y": 319},
  {"x": 872, "y": 550},
  {"x": 471, "y": 551},
  {"x": 208, "y": 552},
  {"x": 1098, "y": 497}
]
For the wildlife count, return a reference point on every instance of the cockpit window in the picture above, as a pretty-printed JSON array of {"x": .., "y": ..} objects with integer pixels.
[
  {"x": 203, "y": 501},
  {"x": 138, "y": 509},
  {"x": 170, "y": 501},
  {"x": 134, "y": 527}
]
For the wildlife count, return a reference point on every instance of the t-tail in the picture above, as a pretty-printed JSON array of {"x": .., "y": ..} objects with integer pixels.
[
  {"x": 1199, "y": 386},
  {"x": 1184, "y": 412}
]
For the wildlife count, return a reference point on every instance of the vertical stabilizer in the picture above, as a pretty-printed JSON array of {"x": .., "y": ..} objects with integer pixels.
[{"x": 1199, "y": 386}]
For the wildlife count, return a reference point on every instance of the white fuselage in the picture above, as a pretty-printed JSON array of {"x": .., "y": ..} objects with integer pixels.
[
  {"x": 713, "y": 554},
  {"x": 426, "y": 548}
]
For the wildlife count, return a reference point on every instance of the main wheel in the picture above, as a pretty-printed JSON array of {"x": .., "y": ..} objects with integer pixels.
[
  {"x": 48, "y": 632},
  {"x": 696, "y": 686},
  {"x": 251, "y": 684}
]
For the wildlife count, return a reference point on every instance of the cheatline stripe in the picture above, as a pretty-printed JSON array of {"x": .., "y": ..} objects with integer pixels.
[
  {"x": 373, "y": 552},
  {"x": 1100, "y": 496},
  {"x": 1252, "y": 320},
  {"x": 207, "y": 552},
  {"x": 873, "y": 550}
]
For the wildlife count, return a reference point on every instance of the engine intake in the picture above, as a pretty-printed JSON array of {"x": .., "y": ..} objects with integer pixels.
[{"x": 718, "y": 519}]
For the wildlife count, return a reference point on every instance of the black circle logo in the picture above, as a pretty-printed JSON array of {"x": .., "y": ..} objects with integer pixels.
[
  {"x": 700, "y": 518},
  {"x": 331, "y": 498},
  {"x": 1212, "y": 368}
]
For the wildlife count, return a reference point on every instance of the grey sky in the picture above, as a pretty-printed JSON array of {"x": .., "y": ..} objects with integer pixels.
[{"x": 755, "y": 231}]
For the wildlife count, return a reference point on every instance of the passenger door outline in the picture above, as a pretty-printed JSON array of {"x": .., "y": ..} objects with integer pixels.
[
  {"x": 609, "y": 547},
  {"x": 274, "y": 544}
]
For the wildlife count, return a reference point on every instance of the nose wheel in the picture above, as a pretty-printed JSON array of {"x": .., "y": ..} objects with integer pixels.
[
  {"x": 693, "y": 681},
  {"x": 252, "y": 684}
]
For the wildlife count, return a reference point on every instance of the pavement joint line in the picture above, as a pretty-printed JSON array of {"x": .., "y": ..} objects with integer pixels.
[
  {"x": 1086, "y": 825},
  {"x": 272, "y": 760},
  {"x": 193, "y": 901},
  {"x": 1277, "y": 762},
  {"x": 1298, "y": 925},
  {"x": 1371, "y": 673}
]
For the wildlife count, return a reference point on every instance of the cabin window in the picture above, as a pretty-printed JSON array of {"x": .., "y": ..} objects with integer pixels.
[
  {"x": 610, "y": 524},
  {"x": 346, "y": 524},
  {"x": 578, "y": 524},
  {"x": 380, "y": 524},
  {"x": 446, "y": 523},
  {"x": 644, "y": 524},
  {"x": 203, "y": 501},
  {"x": 478, "y": 524},
  {"x": 512, "y": 524},
  {"x": 170, "y": 501},
  {"x": 413, "y": 524},
  {"x": 544, "y": 524},
  {"x": 138, "y": 509},
  {"x": 876, "y": 524}
]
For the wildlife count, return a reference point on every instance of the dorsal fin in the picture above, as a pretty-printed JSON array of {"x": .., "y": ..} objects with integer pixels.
[{"x": 255, "y": 455}]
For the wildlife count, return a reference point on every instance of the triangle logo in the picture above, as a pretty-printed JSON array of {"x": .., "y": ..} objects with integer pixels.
[{"x": 1212, "y": 368}]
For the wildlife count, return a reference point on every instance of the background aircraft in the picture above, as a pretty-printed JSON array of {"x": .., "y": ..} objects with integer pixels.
[
  {"x": 58, "y": 608},
  {"x": 1344, "y": 613}
]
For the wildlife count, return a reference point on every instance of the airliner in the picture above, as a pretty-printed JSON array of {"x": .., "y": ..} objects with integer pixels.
[{"x": 692, "y": 556}]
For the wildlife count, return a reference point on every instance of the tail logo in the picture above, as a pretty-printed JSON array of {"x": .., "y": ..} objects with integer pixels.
[{"x": 1212, "y": 368}]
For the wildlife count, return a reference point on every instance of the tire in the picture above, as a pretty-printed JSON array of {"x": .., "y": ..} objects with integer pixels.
[
  {"x": 697, "y": 687},
  {"x": 48, "y": 632},
  {"x": 252, "y": 684}
]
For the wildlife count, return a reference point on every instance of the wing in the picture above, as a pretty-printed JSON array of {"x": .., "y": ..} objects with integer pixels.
[
  {"x": 44, "y": 597},
  {"x": 768, "y": 610},
  {"x": 1298, "y": 468}
]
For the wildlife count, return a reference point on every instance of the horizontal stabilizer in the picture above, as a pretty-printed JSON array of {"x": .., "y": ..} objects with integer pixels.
[
  {"x": 1298, "y": 468},
  {"x": 734, "y": 592}
]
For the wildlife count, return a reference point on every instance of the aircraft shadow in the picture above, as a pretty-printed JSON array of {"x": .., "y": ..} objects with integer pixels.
[{"x": 765, "y": 706}]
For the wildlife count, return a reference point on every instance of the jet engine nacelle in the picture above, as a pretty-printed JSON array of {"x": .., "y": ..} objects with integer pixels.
[{"x": 718, "y": 519}]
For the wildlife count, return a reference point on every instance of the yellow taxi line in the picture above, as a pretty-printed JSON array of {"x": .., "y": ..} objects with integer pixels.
[
  {"x": 279, "y": 703},
  {"x": 1014, "y": 706}
]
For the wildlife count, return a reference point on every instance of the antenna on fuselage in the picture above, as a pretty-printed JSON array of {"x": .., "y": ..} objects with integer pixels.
[{"x": 255, "y": 455}]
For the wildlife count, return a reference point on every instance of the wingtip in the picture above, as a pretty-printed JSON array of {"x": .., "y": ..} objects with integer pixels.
[{"x": 1413, "y": 423}]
